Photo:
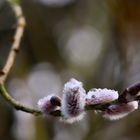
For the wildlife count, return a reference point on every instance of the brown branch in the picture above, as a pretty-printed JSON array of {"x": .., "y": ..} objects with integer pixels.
[
  {"x": 15, "y": 46},
  {"x": 10, "y": 61},
  {"x": 15, "y": 103}
]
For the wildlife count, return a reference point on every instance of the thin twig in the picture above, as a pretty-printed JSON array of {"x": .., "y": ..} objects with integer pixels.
[
  {"x": 15, "y": 46},
  {"x": 10, "y": 61},
  {"x": 15, "y": 103}
]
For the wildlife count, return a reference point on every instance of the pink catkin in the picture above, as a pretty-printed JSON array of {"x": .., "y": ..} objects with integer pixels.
[
  {"x": 73, "y": 101},
  {"x": 101, "y": 96},
  {"x": 48, "y": 104},
  {"x": 115, "y": 112}
]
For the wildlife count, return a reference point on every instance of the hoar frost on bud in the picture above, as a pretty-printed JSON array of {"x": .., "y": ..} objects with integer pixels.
[
  {"x": 101, "y": 96},
  {"x": 118, "y": 111},
  {"x": 48, "y": 104},
  {"x": 73, "y": 101}
]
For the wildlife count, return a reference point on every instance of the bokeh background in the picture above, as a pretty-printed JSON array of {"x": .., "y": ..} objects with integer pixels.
[{"x": 94, "y": 41}]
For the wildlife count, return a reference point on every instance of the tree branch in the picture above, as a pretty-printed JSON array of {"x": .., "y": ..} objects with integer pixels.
[
  {"x": 16, "y": 43},
  {"x": 10, "y": 61},
  {"x": 15, "y": 103}
]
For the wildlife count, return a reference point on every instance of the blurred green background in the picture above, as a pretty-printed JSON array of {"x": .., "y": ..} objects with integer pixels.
[{"x": 95, "y": 41}]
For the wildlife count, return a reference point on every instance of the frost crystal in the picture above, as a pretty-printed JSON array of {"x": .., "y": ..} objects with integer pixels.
[
  {"x": 73, "y": 101},
  {"x": 115, "y": 112},
  {"x": 101, "y": 96},
  {"x": 48, "y": 104}
]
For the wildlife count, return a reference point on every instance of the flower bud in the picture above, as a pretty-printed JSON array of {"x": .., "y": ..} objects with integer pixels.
[
  {"x": 115, "y": 112},
  {"x": 73, "y": 101},
  {"x": 130, "y": 93},
  {"x": 101, "y": 96},
  {"x": 48, "y": 104}
]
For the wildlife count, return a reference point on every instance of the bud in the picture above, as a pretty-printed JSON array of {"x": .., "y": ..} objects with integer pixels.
[
  {"x": 101, "y": 96},
  {"x": 73, "y": 101},
  {"x": 130, "y": 93},
  {"x": 115, "y": 112},
  {"x": 48, "y": 104}
]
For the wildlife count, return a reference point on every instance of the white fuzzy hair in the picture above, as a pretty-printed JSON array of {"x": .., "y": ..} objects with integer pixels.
[
  {"x": 101, "y": 96},
  {"x": 119, "y": 111},
  {"x": 44, "y": 104},
  {"x": 73, "y": 101}
]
